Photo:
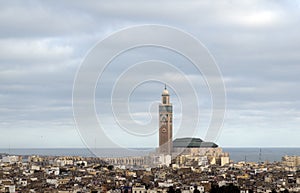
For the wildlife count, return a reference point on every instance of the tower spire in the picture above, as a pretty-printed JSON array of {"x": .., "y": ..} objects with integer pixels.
[{"x": 165, "y": 86}]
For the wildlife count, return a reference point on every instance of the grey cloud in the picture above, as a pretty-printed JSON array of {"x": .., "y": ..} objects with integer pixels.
[{"x": 255, "y": 43}]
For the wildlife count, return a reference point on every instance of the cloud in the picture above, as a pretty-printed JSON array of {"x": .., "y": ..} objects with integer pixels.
[
  {"x": 36, "y": 19},
  {"x": 255, "y": 43},
  {"x": 34, "y": 51}
]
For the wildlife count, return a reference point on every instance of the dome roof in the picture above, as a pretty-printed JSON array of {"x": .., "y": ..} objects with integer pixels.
[{"x": 165, "y": 92}]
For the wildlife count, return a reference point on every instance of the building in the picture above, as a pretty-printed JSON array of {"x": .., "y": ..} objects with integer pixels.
[
  {"x": 291, "y": 163},
  {"x": 11, "y": 159},
  {"x": 190, "y": 146},
  {"x": 182, "y": 151},
  {"x": 189, "y": 142},
  {"x": 165, "y": 124},
  {"x": 194, "y": 146}
]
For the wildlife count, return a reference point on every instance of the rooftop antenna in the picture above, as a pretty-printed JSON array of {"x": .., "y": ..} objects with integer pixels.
[
  {"x": 260, "y": 155},
  {"x": 95, "y": 143},
  {"x": 8, "y": 145}
]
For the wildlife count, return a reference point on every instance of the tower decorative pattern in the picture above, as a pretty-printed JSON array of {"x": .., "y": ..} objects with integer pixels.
[{"x": 165, "y": 124}]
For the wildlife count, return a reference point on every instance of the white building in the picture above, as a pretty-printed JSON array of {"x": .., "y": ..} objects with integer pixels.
[
  {"x": 203, "y": 161},
  {"x": 224, "y": 160},
  {"x": 52, "y": 170},
  {"x": 11, "y": 159},
  {"x": 161, "y": 159},
  {"x": 139, "y": 189}
]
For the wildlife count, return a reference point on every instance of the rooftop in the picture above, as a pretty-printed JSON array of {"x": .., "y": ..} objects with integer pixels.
[{"x": 189, "y": 142}]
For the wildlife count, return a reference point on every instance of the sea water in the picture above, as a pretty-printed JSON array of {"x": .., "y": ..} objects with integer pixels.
[{"x": 236, "y": 154}]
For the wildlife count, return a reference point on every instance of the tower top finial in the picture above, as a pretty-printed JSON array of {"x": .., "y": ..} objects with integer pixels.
[{"x": 165, "y": 91}]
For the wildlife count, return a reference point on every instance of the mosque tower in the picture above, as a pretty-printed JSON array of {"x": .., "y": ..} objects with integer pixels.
[{"x": 165, "y": 124}]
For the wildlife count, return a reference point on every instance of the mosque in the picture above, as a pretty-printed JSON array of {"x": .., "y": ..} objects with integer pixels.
[
  {"x": 166, "y": 144},
  {"x": 181, "y": 151}
]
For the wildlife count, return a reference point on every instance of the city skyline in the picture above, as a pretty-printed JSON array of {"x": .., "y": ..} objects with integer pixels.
[{"x": 255, "y": 44}]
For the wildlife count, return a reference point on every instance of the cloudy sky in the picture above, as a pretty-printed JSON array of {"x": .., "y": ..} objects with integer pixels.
[{"x": 255, "y": 43}]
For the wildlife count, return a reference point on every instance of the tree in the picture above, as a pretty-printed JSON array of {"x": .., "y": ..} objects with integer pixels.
[
  {"x": 171, "y": 190},
  {"x": 110, "y": 167},
  {"x": 225, "y": 189},
  {"x": 196, "y": 189}
]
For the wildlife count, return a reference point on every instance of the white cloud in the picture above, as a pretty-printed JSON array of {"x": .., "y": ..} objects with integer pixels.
[{"x": 34, "y": 50}]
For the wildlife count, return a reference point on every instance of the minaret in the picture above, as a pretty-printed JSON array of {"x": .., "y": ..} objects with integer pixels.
[{"x": 165, "y": 124}]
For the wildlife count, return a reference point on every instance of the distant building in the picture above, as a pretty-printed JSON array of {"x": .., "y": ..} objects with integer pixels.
[
  {"x": 291, "y": 163},
  {"x": 162, "y": 160},
  {"x": 225, "y": 160},
  {"x": 139, "y": 189},
  {"x": 11, "y": 159}
]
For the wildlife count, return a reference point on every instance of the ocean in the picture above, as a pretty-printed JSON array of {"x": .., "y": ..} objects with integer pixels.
[
  {"x": 236, "y": 154},
  {"x": 260, "y": 154}
]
